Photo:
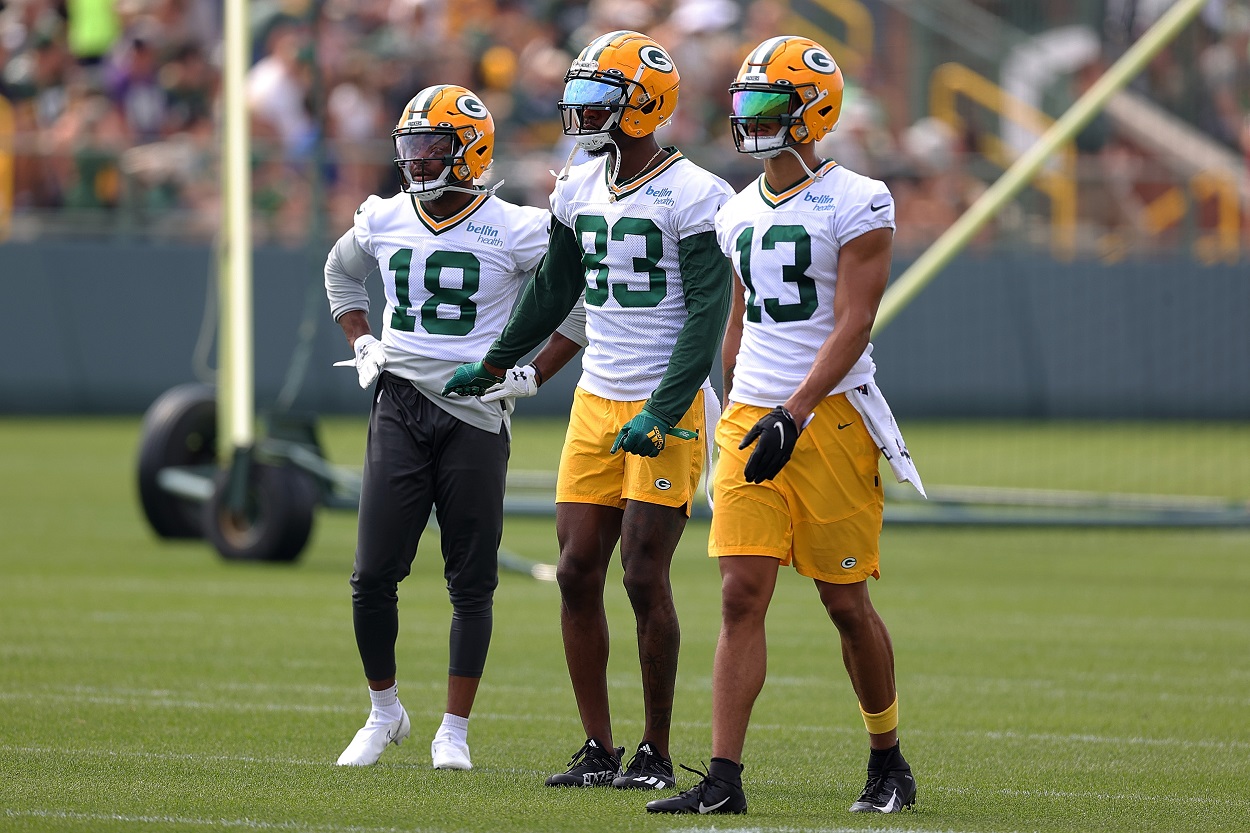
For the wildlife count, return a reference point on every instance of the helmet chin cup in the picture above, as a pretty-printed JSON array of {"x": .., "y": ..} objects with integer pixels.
[
  {"x": 592, "y": 141},
  {"x": 428, "y": 196},
  {"x": 761, "y": 147}
]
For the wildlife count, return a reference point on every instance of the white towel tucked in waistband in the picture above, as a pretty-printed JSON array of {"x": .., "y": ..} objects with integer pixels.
[
  {"x": 711, "y": 415},
  {"x": 872, "y": 406}
]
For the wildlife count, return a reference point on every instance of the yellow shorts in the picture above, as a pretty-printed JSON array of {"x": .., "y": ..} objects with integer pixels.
[
  {"x": 822, "y": 512},
  {"x": 589, "y": 474}
]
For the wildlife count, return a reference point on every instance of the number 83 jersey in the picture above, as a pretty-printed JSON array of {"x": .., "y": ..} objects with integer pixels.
[
  {"x": 450, "y": 282},
  {"x": 630, "y": 238},
  {"x": 785, "y": 248}
]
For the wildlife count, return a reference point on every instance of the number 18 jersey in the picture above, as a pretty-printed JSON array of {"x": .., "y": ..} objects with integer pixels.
[
  {"x": 450, "y": 283},
  {"x": 785, "y": 248}
]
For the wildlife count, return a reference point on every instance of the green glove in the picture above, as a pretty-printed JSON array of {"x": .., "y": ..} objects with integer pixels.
[
  {"x": 643, "y": 435},
  {"x": 470, "y": 380}
]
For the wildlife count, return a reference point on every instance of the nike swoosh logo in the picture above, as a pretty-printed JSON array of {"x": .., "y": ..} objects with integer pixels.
[
  {"x": 780, "y": 431},
  {"x": 889, "y": 805},
  {"x": 705, "y": 808},
  {"x": 878, "y": 207},
  {"x": 842, "y": 425}
]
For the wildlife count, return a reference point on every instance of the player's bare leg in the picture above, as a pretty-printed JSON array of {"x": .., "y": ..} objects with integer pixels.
[
  {"x": 649, "y": 536},
  {"x": 747, "y": 584},
  {"x": 869, "y": 658},
  {"x": 587, "y": 534},
  {"x": 867, "y": 651}
]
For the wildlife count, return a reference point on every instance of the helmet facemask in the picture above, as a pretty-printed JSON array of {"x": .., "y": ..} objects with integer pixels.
[
  {"x": 430, "y": 161},
  {"x": 591, "y": 108},
  {"x": 768, "y": 118}
]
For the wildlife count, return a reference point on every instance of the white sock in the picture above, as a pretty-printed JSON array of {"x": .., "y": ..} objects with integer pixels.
[
  {"x": 386, "y": 707},
  {"x": 454, "y": 728}
]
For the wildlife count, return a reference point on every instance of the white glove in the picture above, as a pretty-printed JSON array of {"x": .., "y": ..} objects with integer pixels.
[
  {"x": 519, "y": 382},
  {"x": 369, "y": 361}
]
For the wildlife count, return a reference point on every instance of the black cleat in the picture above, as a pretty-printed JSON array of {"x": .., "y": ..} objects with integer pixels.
[
  {"x": 592, "y": 766},
  {"x": 887, "y": 792},
  {"x": 647, "y": 770},
  {"x": 711, "y": 795}
]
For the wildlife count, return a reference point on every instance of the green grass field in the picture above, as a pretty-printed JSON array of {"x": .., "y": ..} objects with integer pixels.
[{"x": 1051, "y": 679}]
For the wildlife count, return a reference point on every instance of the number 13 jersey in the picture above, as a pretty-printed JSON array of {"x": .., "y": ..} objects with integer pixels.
[{"x": 785, "y": 248}]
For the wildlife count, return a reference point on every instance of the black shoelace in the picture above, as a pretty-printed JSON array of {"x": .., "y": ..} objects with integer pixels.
[
  {"x": 587, "y": 754},
  {"x": 874, "y": 786},
  {"x": 706, "y": 779},
  {"x": 640, "y": 761}
]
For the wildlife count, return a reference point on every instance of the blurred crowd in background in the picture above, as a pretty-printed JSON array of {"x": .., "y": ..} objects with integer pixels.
[{"x": 114, "y": 104}]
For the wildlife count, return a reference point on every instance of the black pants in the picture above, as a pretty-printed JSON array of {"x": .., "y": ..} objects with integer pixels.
[{"x": 419, "y": 456}]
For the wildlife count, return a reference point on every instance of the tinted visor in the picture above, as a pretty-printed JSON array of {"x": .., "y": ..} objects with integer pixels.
[
  {"x": 587, "y": 92},
  {"x": 759, "y": 104},
  {"x": 431, "y": 146}
]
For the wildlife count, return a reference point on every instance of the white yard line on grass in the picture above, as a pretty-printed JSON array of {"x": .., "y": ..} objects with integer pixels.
[
  {"x": 256, "y": 824},
  {"x": 190, "y": 821},
  {"x": 163, "y": 699},
  {"x": 1090, "y": 795}
]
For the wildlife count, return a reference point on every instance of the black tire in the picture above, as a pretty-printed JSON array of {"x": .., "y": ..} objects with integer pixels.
[
  {"x": 179, "y": 429},
  {"x": 276, "y": 520}
]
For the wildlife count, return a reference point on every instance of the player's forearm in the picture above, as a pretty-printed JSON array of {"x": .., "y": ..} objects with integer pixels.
[
  {"x": 834, "y": 360},
  {"x": 556, "y": 353},
  {"x": 354, "y": 324}
]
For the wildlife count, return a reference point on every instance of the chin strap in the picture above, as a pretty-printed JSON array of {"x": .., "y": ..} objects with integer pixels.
[
  {"x": 564, "y": 172},
  {"x": 809, "y": 171},
  {"x": 429, "y": 196}
]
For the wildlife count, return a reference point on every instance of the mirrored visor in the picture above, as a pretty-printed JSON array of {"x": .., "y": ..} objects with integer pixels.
[
  {"x": 424, "y": 145},
  {"x": 759, "y": 104},
  {"x": 587, "y": 92}
]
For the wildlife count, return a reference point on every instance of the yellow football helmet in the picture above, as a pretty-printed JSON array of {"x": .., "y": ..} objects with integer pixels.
[
  {"x": 790, "y": 82},
  {"x": 444, "y": 139},
  {"x": 626, "y": 75}
]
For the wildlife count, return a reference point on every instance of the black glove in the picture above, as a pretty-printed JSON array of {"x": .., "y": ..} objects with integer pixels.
[{"x": 777, "y": 435}]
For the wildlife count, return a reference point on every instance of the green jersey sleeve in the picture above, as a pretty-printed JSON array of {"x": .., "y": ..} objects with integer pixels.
[{"x": 706, "y": 280}]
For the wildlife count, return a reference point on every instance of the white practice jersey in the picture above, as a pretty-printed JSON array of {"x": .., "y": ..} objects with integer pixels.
[
  {"x": 785, "y": 248},
  {"x": 450, "y": 284},
  {"x": 635, "y": 303}
]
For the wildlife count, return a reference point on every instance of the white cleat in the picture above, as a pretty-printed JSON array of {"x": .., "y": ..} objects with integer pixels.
[
  {"x": 372, "y": 740},
  {"x": 447, "y": 754}
]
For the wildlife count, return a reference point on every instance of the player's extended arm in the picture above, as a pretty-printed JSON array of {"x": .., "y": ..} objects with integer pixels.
[
  {"x": 863, "y": 271},
  {"x": 545, "y": 301},
  {"x": 706, "y": 278},
  {"x": 347, "y": 267}
]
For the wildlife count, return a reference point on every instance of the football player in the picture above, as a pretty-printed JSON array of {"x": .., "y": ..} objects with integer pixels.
[
  {"x": 634, "y": 229},
  {"x": 797, "y": 480},
  {"x": 452, "y": 258}
]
